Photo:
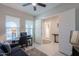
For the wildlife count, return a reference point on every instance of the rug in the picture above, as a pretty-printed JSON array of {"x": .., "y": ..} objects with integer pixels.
[{"x": 35, "y": 52}]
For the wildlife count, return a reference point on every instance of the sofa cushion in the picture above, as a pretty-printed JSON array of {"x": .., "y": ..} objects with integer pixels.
[
  {"x": 1, "y": 52},
  {"x": 6, "y": 48},
  {"x": 18, "y": 52}
]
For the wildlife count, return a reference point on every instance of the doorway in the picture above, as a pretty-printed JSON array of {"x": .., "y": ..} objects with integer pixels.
[{"x": 50, "y": 30}]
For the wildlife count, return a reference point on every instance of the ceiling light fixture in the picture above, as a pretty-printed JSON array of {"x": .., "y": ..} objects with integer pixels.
[{"x": 34, "y": 4}]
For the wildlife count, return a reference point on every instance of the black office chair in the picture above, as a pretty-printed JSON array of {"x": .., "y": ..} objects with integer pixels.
[
  {"x": 28, "y": 38},
  {"x": 23, "y": 34},
  {"x": 23, "y": 39}
]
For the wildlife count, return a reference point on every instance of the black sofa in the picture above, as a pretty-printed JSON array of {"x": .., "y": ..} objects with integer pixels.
[
  {"x": 18, "y": 52},
  {"x": 5, "y": 50}
]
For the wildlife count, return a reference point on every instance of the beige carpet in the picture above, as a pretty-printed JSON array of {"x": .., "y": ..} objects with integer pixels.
[{"x": 35, "y": 52}]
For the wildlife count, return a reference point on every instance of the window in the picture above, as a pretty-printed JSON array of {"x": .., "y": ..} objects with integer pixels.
[
  {"x": 12, "y": 28},
  {"x": 29, "y": 27}
]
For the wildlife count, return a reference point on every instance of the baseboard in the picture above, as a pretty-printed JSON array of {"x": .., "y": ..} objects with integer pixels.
[
  {"x": 37, "y": 43},
  {"x": 63, "y": 53}
]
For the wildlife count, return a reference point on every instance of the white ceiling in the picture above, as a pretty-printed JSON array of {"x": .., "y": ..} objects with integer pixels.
[{"x": 29, "y": 9}]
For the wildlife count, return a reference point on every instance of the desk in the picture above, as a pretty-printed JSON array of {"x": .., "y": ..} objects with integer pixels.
[
  {"x": 29, "y": 39},
  {"x": 14, "y": 43}
]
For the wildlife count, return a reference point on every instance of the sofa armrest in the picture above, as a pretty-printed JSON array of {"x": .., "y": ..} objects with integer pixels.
[{"x": 2, "y": 54}]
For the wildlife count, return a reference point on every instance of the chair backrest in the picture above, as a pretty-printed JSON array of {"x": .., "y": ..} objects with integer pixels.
[
  {"x": 22, "y": 40},
  {"x": 74, "y": 38},
  {"x": 23, "y": 34}
]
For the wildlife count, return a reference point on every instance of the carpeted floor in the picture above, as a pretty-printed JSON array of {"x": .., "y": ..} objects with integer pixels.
[{"x": 35, "y": 52}]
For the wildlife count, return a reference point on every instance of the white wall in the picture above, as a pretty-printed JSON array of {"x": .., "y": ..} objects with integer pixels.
[
  {"x": 77, "y": 19},
  {"x": 67, "y": 24},
  {"x": 38, "y": 35}
]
